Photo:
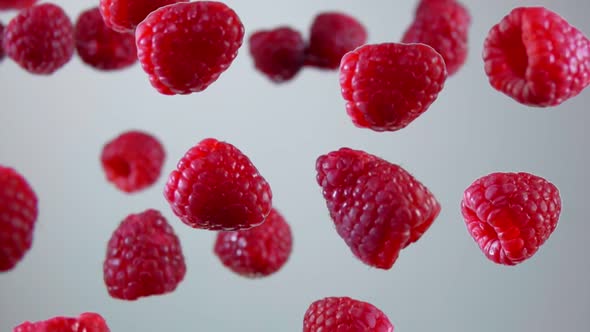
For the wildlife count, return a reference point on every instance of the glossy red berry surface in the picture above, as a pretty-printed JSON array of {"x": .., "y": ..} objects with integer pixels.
[
  {"x": 125, "y": 15},
  {"x": 16, "y": 4},
  {"x": 279, "y": 53},
  {"x": 86, "y": 322},
  {"x": 344, "y": 314}
]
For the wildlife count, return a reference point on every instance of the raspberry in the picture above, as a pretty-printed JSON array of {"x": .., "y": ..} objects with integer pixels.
[
  {"x": 378, "y": 208},
  {"x": 343, "y": 314},
  {"x": 133, "y": 161},
  {"x": 2, "y": 54},
  {"x": 40, "y": 39},
  {"x": 124, "y": 15},
  {"x": 510, "y": 215},
  {"x": 86, "y": 322},
  {"x": 216, "y": 187},
  {"x": 16, "y": 4},
  {"x": 332, "y": 35},
  {"x": 18, "y": 215},
  {"x": 144, "y": 258},
  {"x": 536, "y": 57},
  {"x": 387, "y": 86},
  {"x": 202, "y": 44},
  {"x": 257, "y": 252},
  {"x": 278, "y": 53},
  {"x": 99, "y": 46}
]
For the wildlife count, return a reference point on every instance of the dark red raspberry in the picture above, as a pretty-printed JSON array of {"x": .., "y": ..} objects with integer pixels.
[
  {"x": 18, "y": 215},
  {"x": 86, "y": 322},
  {"x": 16, "y": 4},
  {"x": 278, "y": 53},
  {"x": 387, "y": 86},
  {"x": 378, "y": 208},
  {"x": 101, "y": 47},
  {"x": 124, "y": 15},
  {"x": 191, "y": 56},
  {"x": 2, "y": 54},
  {"x": 343, "y": 314},
  {"x": 536, "y": 57},
  {"x": 510, "y": 215},
  {"x": 40, "y": 39},
  {"x": 331, "y": 36},
  {"x": 133, "y": 160},
  {"x": 257, "y": 252},
  {"x": 144, "y": 258}
]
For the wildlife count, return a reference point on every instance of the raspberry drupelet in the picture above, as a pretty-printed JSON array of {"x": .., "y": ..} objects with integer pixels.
[
  {"x": 344, "y": 314},
  {"x": 279, "y": 53}
]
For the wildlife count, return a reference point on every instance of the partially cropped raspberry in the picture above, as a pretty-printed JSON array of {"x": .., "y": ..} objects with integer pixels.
[
  {"x": 86, "y": 322},
  {"x": 279, "y": 53},
  {"x": 257, "y": 252},
  {"x": 144, "y": 258},
  {"x": 133, "y": 160},
  {"x": 186, "y": 46},
  {"x": 2, "y": 54},
  {"x": 343, "y": 314},
  {"x": 378, "y": 207},
  {"x": 18, "y": 216},
  {"x": 101, "y": 47},
  {"x": 387, "y": 86},
  {"x": 536, "y": 57},
  {"x": 124, "y": 15},
  {"x": 40, "y": 39},
  {"x": 510, "y": 215},
  {"x": 16, "y": 4},
  {"x": 331, "y": 36}
]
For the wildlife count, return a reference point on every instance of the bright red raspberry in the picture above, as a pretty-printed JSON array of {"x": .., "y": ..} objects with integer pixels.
[
  {"x": 2, "y": 54},
  {"x": 259, "y": 251},
  {"x": 536, "y": 57},
  {"x": 510, "y": 215},
  {"x": 279, "y": 53},
  {"x": 387, "y": 86},
  {"x": 101, "y": 47},
  {"x": 40, "y": 39},
  {"x": 16, "y": 4},
  {"x": 133, "y": 160},
  {"x": 124, "y": 15},
  {"x": 18, "y": 216},
  {"x": 343, "y": 314},
  {"x": 191, "y": 56},
  {"x": 144, "y": 258},
  {"x": 86, "y": 322},
  {"x": 216, "y": 187}
]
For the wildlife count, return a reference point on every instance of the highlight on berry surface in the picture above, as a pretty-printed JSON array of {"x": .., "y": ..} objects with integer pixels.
[
  {"x": 86, "y": 322},
  {"x": 278, "y": 53}
]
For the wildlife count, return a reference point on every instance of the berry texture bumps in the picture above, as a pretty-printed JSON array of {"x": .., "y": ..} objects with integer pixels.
[
  {"x": 86, "y": 322},
  {"x": 343, "y": 314}
]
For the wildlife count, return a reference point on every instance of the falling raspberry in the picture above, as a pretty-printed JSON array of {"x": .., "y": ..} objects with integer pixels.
[
  {"x": 2, "y": 54},
  {"x": 16, "y": 4},
  {"x": 86, "y": 322},
  {"x": 279, "y": 53},
  {"x": 343, "y": 314},
  {"x": 124, "y": 15}
]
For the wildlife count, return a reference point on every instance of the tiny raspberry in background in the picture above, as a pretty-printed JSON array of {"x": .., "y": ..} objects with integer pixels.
[
  {"x": 387, "y": 86},
  {"x": 18, "y": 216},
  {"x": 16, "y": 4},
  {"x": 101, "y": 47},
  {"x": 259, "y": 251},
  {"x": 378, "y": 207},
  {"x": 2, "y": 54},
  {"x": 86, "y": 322},
  {"x": 536, "y": 57},
  {"x": 279, "y": 53},
  {"x": 216, "y": 187},
  {"x": 510, "y": 215},
  {"x": 144, "y": 258},
  {"x": 343, "y": 314},
  {"x": 133, "y": 160},
  {"x": 331, "y": 36},
  {"x": 203, "y": 44},
  {"x": 124, "y": 15}
]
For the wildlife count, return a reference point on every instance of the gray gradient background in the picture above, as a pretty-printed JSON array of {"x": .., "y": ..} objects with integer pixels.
[{"x": 52, "y": 130}]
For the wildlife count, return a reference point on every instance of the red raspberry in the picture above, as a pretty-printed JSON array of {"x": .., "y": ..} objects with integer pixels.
[
  {"x": 16, "y": 4},
  {"x": 99, "y": 46},
  {"x": 18, "y": 215},
  {"x": 40, "y": 39},
  {"x": 387, "y": 86},
  {"x": 536, "y": 57},
  {"x": 510, "y": 215},
  {"x": 133, "y": 160},
  {"x": 343, "y": 314},
  {"x": 2, "y": 54},
  {"x": 124, "y": 15},
  {"x": 332, "y": 35},
  {"x": 257, "y": 252},
  {"x": 191, "y": 56},
  {"x": 86, "y": 322},
  {"x": 278, "y": 53},
  {"x": 216, "y": 187},
  {"x": 144, "y": 258}
]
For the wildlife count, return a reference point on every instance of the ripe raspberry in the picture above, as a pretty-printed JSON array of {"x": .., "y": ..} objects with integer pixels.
[
  {"x": 257, "y": 252},
  {"x": 16, "y": 4},
  {"x": 144, "y": 258},
  {"x": 191, "y": 56},
  {"x": 343, "y": 314},
  {"x": 387, "y": 86},
  {"x": 536, "y": 57},
  {"x": 86, "y": 322},
  {"x": 216, "y": 187},
  {"x": 133, "y": 161},
  {"x": 378, "y": 208},
  {"x": 40, "y": 39},
  {"x": 278, "y": 53},
  {"x": 124, "y": 15},
  {"x": 18, "y": 215},
  {"x": 510, "y": 215},
  {"x": 332, "y": 35},
  {"x": 99, "y": 46}
]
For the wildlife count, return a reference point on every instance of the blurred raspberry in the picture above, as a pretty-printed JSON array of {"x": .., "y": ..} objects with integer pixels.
[
  {"x": 279, "y": 53},
  {"x": 124, "y": 15},
  {"x": 16, "y": 4},
  {"x": 86, "y": 322}
]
